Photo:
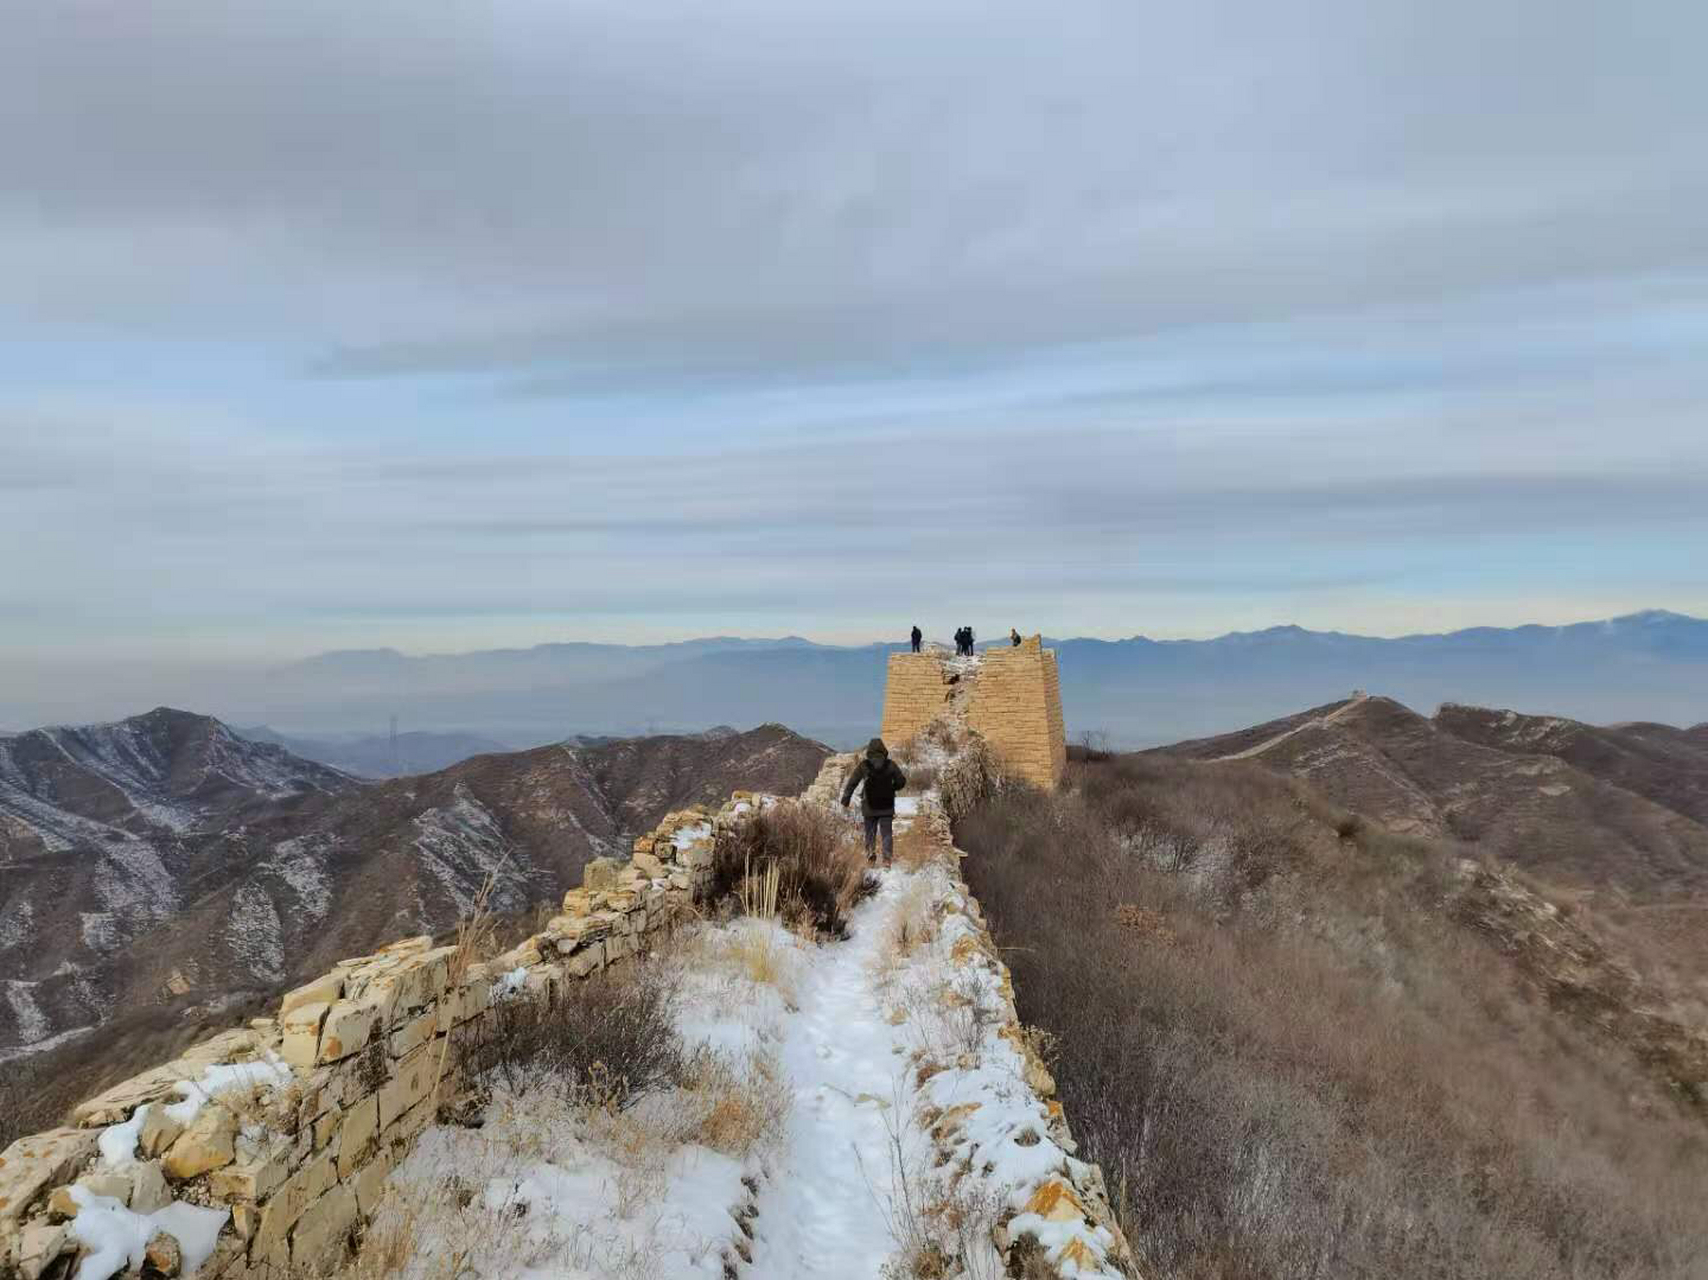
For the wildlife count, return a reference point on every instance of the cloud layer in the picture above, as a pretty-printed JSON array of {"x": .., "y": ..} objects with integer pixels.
[{"x": 455, "y": 323}]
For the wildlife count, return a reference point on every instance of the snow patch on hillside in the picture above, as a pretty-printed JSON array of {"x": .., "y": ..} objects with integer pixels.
[
  {"x": 254, "y": 934},
  {"x": 100, "y": 930},
  {"x": 301, "y": 863},
  {"x": 132, "y": 881},
  {"x": 17, "y": 924},
  {"x": 460, "y": 844},
  {"x": 27, "y": 1015}
]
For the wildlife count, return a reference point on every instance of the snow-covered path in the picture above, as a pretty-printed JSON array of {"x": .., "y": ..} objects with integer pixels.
[{"x": 824, "y": 1210}]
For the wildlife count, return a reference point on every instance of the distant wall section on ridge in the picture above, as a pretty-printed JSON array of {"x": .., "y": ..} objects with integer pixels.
[{"x": 1013, "y": 699}]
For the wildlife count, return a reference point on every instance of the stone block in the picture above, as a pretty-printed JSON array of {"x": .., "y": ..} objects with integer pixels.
[
  {"x": 412, "y": 1034},
  {"x": 325, "y": 990},
  {"x": 245, "y": 1217},
  {"x": 349, "y": 1025},
  {"x": 148, "y": 1189},
  {"x": 361, "y": 1125},
  {"x": 301, "y": 1031},
  {"x": 287, "y": 1203},
  {"x": 464, "y": 1002},
  {"x": 577, "y": 902},
  {"x": 325, "y": 1129},
  {"x": 599, "y": 875},
  {"x": 115, "y": 1105},
  {"x": 162, "y": 1256},
  {"x": 413, "y": 1079},
  {"x": 237, "y": 1045},
  {"x": 157, "y": 1133},
  {"x": 98, "y": 1181},
  {"x": 585, "y": 961},
  {"x": 410, "y": 1123},
  {"x": 208, "y": 1143},
  {"x": 319, "y": 1238},
  {"x": 40, "y": 1245},
  {"x": 31, "y": 1165},
  {"x": 408, "y": 946},
  {"x": 648, "y": 865},
  {"x": 257, "y": 1170},
  {"x": 370, "y": 1183}
]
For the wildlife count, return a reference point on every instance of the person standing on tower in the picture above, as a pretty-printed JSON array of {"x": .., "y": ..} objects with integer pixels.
[{"x": 918, "y": 636}]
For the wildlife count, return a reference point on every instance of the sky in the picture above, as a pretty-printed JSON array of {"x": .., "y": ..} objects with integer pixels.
[{"x": 458, "y": 325}]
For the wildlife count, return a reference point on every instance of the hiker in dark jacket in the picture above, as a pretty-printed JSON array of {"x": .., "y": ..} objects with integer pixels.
[
  {"x": 1014, "y": 636},
  {"x": 878, "y": 804},
  {"x": 918, "y": 635}
]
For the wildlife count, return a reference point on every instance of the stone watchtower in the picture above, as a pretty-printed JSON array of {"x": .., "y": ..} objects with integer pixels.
[{"x": 1013, "y": 699}]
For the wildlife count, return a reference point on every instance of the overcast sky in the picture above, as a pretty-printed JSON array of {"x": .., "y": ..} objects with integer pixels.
[{"x": 448, "y": 325}]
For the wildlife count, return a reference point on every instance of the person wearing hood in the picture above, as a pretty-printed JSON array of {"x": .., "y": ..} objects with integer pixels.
[{"x": 883, "y": 778}]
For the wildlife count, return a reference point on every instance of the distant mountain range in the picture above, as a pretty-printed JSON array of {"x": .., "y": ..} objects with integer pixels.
[
  {"x": 380, "y": 756},
  {"x": 1142, "y": 692},
  {"x": 167, "y": 863}
]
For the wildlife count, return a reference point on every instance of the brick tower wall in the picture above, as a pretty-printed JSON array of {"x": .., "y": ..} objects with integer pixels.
[
  {"x": 914, "y": 693},
  {"x": 1016, "y": 705}
]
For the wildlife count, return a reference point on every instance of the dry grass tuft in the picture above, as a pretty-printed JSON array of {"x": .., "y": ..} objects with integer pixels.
[
  {"x": 739, "y": 1105},
  {"x": 819, "y": 867}
]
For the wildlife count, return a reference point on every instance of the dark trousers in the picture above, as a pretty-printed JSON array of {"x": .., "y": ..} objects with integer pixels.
[
  {"x": 884, "y": 822},
  {"x": 916, "y": 646}
]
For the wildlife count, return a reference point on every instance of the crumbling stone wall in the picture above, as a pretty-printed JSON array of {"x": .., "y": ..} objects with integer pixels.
[{"x": 359, "y": 1061}]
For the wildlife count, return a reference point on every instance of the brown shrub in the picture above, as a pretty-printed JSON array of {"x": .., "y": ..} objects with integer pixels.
[
  {"x": 821, "y": 869},
  {"x": 1321, "y": 1073},
  {"x": 609, "y": 1038}
]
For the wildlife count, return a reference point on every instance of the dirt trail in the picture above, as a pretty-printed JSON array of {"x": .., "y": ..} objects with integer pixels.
[{"x": 1321, "y": 721}]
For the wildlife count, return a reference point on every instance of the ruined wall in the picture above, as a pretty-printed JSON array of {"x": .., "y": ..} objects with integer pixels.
[
  {"x": 1011, "y": 696},
  {"x": 1016, "y": 705},
  {"x": 353, "y": 1067},
  {"x": 914, "y": 694}
]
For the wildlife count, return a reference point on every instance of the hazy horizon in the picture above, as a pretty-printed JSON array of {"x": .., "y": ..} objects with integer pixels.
[{"x": 1649, "y": 665}]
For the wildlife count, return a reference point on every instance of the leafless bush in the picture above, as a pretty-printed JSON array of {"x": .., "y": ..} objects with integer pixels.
[
  {"x": 1094, "y": 745},
  {"x": 821, "y": 871},
  {"x": 921, "y": 777},
  {"x": 609, "y": 1038},
  {"x": 1300, "y": 1065}
]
